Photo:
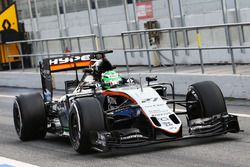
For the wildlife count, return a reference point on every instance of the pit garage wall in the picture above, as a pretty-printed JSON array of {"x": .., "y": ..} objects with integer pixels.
[
  {"x": 235, "y": 86},
  {"x": 113, "y": 23}
]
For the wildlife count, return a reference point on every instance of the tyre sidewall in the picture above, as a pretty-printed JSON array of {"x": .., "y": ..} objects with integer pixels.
[
  {"x": 90, "y": 114},
  {"x": 210, "y": 98},
  {"x": 33, "y": 116}
]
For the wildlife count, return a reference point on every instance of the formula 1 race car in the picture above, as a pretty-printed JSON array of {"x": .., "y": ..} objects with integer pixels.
[{"x": 103, "y": 110}]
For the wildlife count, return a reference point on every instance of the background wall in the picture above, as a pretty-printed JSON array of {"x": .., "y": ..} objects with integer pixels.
[{"x": 112, "y": 22}]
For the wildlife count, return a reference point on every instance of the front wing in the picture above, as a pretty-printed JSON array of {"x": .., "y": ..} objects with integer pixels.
[{"x": 133, "y": 138}]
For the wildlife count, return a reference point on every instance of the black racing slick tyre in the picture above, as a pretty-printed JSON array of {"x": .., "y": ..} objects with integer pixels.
[
  {"x": 30, "y": 117},
  {"x": 86, "y": 116},
  {"x": 205, "y": 99}
]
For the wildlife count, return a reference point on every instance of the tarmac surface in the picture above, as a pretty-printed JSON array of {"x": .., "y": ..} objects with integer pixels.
[{"x": 226, "y": 150}]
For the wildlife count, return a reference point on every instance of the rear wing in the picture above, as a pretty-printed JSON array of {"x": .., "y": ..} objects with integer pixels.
[
  {"x": 74, "y": 61},
  {"x": 64, "y": 63}
]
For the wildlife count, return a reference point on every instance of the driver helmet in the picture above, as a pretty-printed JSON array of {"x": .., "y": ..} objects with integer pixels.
[{"x": 110, "y": 79}]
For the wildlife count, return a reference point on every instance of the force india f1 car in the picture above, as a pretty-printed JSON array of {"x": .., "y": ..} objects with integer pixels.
[{"x": 103, "y": 110}]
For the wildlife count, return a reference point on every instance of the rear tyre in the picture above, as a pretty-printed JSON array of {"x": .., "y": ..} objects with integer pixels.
[
  {"x": 85, "y": 117},
  {"x": 30, "y": 117},
  {"x": 209, "y": 100}
]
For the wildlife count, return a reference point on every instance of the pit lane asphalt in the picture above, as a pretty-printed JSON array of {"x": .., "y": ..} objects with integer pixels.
[{"x": 227, "y": 150}]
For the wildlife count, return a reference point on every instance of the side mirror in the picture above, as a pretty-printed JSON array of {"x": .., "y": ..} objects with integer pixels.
[
  {"x": 92, "y": 56},
  {"x": 99, "y": 56},
  {"x": 150, "y": 79}
]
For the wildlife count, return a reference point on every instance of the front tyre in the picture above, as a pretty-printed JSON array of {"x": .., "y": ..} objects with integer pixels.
[
  {"x": 205, "y": 99},
  {"x": 86, "y": 116}
]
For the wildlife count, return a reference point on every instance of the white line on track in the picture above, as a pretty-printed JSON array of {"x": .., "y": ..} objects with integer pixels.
[
  {"x": 10, "y": 162},
  {"x": 7, "y": 96},
  {"x": 241, "y": 115}
]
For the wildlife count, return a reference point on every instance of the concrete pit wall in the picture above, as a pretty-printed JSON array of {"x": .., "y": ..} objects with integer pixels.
[{"x": 236, "y": 86}]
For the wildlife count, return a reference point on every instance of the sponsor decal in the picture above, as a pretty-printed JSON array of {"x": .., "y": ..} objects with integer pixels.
[
  {"x": 145, "y": 100},
  {"x": 167, "y": 123},
  {"x": 164, "y": 119},
  {"x": 160, "y": 114},
  {"x": 144, "y": 10},
  {"x": 65, "y": 60},
  {"x": 149, "y": 100},
  {"x": 132, "y": 137},
  {"x": 8, "y": 19}
]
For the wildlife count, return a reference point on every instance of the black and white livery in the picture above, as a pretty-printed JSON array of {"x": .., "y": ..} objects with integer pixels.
[{"x": 124, "y": 114}]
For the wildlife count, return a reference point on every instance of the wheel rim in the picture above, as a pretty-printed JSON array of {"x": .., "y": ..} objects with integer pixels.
[
  {"x": 17, "y": 118},
  {"x": 194, "y": 109},
  {"x": 74, "y": 128}
]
